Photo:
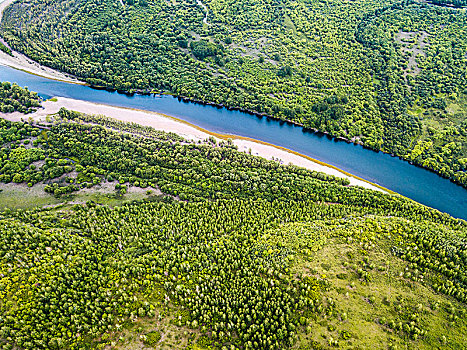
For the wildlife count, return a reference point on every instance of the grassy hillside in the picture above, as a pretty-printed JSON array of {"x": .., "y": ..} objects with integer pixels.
[
  {"x": 388, "y": 74},
  {"x": 221, "y": 250}
]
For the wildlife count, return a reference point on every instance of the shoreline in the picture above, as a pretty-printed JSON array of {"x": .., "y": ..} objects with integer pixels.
[
  {"x": 189, "y": 131},
  {"x": 23, "y": 63}
]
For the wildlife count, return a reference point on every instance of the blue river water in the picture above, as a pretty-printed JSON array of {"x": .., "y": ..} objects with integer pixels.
[{"x": 391, "y": 172}]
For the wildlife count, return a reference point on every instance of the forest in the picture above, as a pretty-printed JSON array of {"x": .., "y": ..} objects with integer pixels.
[
  {"x": 15, "y": 98},
  {"x": 225, "y": 250},
  {"x": 229, "y": 274},
  {"x": 455, "y": 3},
  {"x": 390, "y": 75}
]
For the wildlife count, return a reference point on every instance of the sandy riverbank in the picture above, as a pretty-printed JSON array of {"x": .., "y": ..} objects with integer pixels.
[
  {"x": 21, "y": 62},
  {"x": 169, "y": 124}
]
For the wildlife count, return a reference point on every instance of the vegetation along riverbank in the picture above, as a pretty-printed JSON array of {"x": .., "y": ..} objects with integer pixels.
[{"x": 364, "y": 73}]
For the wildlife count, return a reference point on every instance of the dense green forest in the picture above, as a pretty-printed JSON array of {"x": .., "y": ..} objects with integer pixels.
[
  {"x": 15, "y": 98},
  {"x": 235, "y": 252},
  {"x": 70, "y": 156},
  {"x": 455, "y": 3},
  {"x": 388, "y": 74}
]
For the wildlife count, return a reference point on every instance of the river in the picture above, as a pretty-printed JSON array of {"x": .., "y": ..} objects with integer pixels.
[{"x": 393, "y": 173}]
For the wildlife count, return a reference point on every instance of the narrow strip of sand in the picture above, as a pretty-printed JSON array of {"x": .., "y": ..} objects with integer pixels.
[
  {"x": 21, "y": 62},
  {"x": 186, "y": 130},
  {"x": 24, "y": 63}
]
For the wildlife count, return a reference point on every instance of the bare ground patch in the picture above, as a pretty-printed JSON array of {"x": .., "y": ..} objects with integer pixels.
[{"x": 413, "y": 44}]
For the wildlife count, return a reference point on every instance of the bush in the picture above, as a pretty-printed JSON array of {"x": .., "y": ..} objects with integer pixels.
[
  {"x": 203, "y": 48},
  {"x": 152, "y": 338}
]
